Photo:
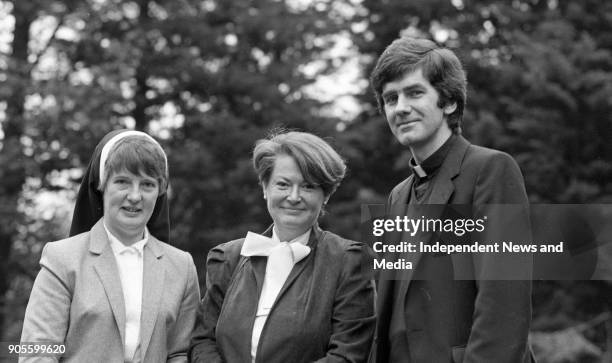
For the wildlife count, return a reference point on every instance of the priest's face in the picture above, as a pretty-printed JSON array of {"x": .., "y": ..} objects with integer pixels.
[{"x": 411, "y": 106}]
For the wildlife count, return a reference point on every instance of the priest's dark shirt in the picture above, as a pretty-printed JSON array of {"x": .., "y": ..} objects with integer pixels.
[{"x": 420, "y": 194}]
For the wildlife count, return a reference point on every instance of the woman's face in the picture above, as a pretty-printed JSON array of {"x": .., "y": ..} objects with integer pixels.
[
  {"x": 129, "y": 200},
  {"x": 293, "y": 204}
]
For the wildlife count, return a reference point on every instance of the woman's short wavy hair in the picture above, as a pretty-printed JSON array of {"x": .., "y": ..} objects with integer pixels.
[
  {"x": 318, "y": 162},
  {"x": 440, "y": 66},
  {"x": 137, "y": 154}
]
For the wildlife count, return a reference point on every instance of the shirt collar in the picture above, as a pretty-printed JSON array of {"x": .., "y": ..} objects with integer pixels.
[
  {"x": 303, "y": 238},
  {"x": 118, "y": 247},
  {"x": 430, "y": 165}
]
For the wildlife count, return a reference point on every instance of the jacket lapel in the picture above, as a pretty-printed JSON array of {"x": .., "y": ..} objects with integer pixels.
[
  {"x": 108, "y": 272},
  {"x": 443, "y": 186},
  {"x": 258, "y": 264},
  {"x": 442, "y": 190},
  {"x": 397, "y": 207},
  {"x": 152, "y": 289},
  {"x": 315, "y": 236},
  {"x": 399, "y": 199}
]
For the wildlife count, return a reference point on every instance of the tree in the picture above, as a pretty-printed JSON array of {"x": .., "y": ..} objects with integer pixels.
[{"x": 19, "y": 139}]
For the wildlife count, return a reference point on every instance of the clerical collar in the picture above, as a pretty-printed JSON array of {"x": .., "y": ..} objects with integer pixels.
[{"x": 430, "y": 165}]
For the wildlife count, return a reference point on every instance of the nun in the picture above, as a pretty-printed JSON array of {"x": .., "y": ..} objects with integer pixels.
[{"x": 115, "y": 291}]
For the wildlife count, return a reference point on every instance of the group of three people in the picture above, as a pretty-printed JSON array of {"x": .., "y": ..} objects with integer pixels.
[{"x": 114, "y": 292}]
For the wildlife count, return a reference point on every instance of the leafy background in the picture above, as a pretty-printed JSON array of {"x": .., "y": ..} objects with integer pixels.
[{"x": 209, "y": 77}]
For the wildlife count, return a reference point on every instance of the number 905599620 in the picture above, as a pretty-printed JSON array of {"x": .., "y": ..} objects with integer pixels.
[{"x": 31, "y": 349}]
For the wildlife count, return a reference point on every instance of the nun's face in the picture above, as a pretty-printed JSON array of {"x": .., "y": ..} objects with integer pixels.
[{"x": 129, "y": 200}]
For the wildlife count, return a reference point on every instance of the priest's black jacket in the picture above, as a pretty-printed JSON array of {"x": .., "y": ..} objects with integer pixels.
[{"x": 463, "y": 307}]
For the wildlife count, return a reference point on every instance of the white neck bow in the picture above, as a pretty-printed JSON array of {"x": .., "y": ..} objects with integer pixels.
[{"x": 282, "y": 256}]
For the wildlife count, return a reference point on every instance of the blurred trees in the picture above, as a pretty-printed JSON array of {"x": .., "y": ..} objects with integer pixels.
[
  {"x": 26, "y": 154},
  {"x": 209, "y": 77}
]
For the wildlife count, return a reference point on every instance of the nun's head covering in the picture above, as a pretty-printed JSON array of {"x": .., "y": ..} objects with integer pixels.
[{"x": 89, "y": 204}]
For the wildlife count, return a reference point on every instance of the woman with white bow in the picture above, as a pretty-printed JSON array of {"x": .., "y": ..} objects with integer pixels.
[{"x": 296, "y": 293}]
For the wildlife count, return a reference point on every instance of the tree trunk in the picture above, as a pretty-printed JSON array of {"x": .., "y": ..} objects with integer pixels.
[
  {"x": 140, "y": 96},
  {"x": 12, "y": 158}
]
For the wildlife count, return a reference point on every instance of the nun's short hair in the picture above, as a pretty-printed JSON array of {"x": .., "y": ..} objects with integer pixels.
[{"x": 137, "y": 155}]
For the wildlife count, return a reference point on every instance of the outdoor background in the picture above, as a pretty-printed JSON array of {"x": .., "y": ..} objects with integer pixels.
[{"x": 209, "y": 77}]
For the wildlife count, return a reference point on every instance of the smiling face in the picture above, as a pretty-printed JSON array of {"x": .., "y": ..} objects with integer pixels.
[
  {"x": 411, "y": 107},
  {"x": 129, "y": 200},
  {"x": 293, "y": 203}
]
